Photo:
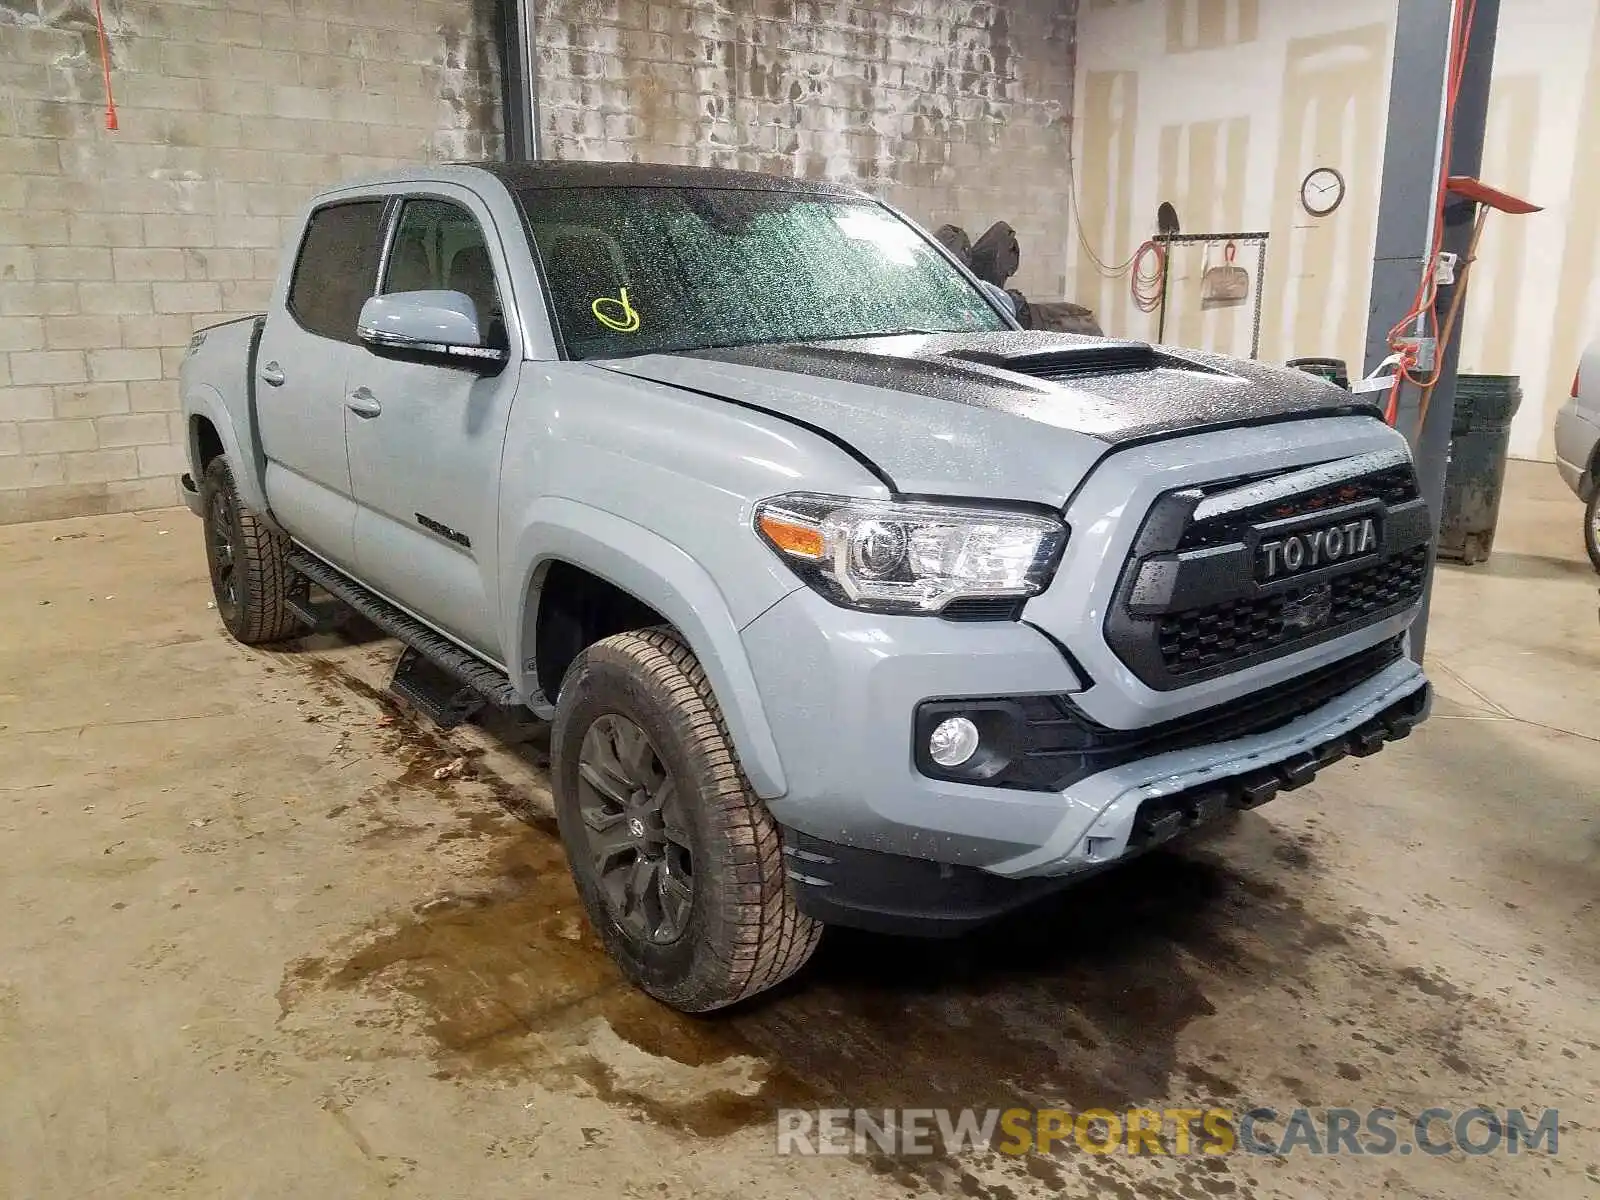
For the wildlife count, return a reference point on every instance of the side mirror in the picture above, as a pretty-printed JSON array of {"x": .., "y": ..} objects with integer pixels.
[
  {"x": 1001, "y": 297},
  {"x": 440, "y": 327}
]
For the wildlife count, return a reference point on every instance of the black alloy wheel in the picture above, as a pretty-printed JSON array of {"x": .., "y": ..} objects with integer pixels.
[
  {"x": 635, "y": 831},
  {"x": 222, "y": 539}
]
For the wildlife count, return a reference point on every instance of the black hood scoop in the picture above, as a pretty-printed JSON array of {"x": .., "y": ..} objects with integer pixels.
[{"x": 1079, "y": 362}]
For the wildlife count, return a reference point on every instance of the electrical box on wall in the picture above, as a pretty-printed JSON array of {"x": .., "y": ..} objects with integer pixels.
[{"x": 1422, "y": 348}]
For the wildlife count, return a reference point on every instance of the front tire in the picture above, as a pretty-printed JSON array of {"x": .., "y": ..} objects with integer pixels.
[
  {"x": 1591, "y": 526},
  {"x": 677, "y": 862},
  {"x": 249, "y": 562}
]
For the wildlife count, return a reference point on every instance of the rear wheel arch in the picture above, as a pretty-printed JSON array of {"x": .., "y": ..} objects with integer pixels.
[
  {"x": 205, "y": 443},
  {"x": 212, "y": 432}
]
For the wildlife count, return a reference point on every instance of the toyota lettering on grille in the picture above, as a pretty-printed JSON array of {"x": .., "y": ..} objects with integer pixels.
[{"x": 1296, "y": 553}]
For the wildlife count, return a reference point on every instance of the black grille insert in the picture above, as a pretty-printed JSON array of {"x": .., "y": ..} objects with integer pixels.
[{"x": 1200, "y": 639}]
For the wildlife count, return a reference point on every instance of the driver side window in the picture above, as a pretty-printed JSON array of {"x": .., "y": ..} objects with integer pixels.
[{"x": 439, "y": 246}]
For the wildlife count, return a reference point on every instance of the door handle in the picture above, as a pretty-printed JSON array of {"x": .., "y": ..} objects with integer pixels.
[
  {"x": 271, "y": 373},
  {"x": 363, "y": 403}
]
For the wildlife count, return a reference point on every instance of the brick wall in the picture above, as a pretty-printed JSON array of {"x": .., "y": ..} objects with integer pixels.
[
  {"x": 953, "y": 110},
  {"x": 114, "y": 247}
]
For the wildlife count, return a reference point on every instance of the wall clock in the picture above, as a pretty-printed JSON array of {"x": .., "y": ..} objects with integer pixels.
[{"x": 1322, "y": 191}]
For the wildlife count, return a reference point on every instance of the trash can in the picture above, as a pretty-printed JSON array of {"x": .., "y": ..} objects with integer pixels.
[{"x": 1479, "y": 436}]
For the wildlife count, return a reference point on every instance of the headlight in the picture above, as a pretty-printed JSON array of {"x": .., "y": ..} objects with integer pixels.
[{"x": 887, "y": 556}]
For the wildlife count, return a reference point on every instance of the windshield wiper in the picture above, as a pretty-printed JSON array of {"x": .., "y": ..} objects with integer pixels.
[{"x": 846, "y": 337}]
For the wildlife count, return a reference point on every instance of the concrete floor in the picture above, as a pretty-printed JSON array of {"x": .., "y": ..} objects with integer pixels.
[{"x": 255, "y": 948}]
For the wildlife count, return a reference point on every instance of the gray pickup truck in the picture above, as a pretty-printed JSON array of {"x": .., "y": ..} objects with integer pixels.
[{"x": 850, "y": 601}]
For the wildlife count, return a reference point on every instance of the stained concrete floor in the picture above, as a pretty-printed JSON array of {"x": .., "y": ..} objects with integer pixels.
[{"x": 252, "y": 947}]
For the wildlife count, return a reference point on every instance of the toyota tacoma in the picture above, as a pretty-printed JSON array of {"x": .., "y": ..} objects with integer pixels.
[{"x": 850, "y": 601}]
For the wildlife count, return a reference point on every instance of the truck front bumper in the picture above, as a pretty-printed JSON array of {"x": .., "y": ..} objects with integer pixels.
[{"x": 873, "y": 841}]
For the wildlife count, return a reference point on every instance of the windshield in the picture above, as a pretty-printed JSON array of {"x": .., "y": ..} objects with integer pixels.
[{"x": 644, "y": 270}]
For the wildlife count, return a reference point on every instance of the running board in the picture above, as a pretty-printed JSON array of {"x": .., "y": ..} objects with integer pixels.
[
  {"x": 439, "y": 650},
  {"x": 433, "y": 692}
]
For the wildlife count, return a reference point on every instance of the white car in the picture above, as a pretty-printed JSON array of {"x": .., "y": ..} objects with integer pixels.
[{"x": 1578, "y": 446}]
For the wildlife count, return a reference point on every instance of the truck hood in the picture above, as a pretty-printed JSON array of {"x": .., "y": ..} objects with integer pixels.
[{"x": 1010, "y": 415}]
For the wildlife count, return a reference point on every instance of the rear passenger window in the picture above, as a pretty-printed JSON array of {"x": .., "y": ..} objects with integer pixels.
[{"x": 337, "y": 270}]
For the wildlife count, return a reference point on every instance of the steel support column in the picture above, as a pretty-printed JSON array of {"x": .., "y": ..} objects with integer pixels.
[
  {"x": 519, "y": 78},
  {"x": 1413, "y": 141}
]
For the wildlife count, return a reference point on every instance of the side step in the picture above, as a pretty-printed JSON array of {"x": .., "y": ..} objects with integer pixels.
[
  {"x": 433, "y": 692},
  {"x": 441, "y": 652},
  {"x": 316, "y": 615}
]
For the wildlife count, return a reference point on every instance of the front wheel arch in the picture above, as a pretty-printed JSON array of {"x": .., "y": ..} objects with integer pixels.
[{"x": 665, "y": 579}]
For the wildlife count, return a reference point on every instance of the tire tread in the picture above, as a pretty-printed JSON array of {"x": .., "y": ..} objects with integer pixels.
[
  {"x": 263, "y": 555},
  {"x": 770, "y": 938}
]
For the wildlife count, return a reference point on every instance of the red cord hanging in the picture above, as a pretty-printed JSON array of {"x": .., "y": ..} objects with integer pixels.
[
  {"x": 1423, "y": 308},
  {"x": 1146, "y": 281},
  {"x": 105, "y": 67}
]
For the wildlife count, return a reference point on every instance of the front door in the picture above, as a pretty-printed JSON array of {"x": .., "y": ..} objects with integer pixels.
[
  {"x": 306, "y": 350},
  {"x": 425, "y": 440}
]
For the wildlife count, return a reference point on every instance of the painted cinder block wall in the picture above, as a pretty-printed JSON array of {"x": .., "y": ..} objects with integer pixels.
[
  {"x": 954, "y": 110},
  {"x": 115, "y": 246}
]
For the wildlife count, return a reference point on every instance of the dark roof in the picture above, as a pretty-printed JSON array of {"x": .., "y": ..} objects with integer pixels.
[{"x": 576, "y": 174}]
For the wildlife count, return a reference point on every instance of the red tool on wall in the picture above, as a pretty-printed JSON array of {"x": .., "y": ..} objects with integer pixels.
[{"x": 105, "y": 66}]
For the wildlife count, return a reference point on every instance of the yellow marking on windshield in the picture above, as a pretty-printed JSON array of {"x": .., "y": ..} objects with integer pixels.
[{"x": 604, "y": 308}]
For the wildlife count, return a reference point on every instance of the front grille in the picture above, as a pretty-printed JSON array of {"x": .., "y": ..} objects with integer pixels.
[
  {"x": 1194, "y": 602},
  {"x": 1058, "y": 744},
  {"x": 1392, "y": 584},
  {"x": 1200, "y": 639},
  {"x": 1392, "y": 485}
]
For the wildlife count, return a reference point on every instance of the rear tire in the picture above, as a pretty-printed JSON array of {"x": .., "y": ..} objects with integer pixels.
[
  {"x": 250, "y": 575},
  {"x": 677, "y": 862},
  {"x": 1591, "y": 526}
]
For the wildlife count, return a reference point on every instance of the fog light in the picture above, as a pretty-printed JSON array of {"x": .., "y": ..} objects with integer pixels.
[{"x": 953, "y": 741}]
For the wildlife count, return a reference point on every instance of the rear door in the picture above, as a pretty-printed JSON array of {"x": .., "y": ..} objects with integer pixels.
[
  {"x": 425, "y": 440},
  {"x": 306, "y": 350}
]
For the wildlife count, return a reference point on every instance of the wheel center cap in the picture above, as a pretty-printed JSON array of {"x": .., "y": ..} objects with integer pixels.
[{"x": 636, "y": 827}]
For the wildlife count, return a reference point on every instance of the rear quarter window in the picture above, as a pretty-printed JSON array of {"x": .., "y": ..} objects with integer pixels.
[{"x": 337, "y": 268}]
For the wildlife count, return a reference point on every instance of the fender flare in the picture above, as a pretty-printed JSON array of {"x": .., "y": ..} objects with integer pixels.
[
  {"x": 203, "y": 400},
  {"x": 662, "y": 575}
]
